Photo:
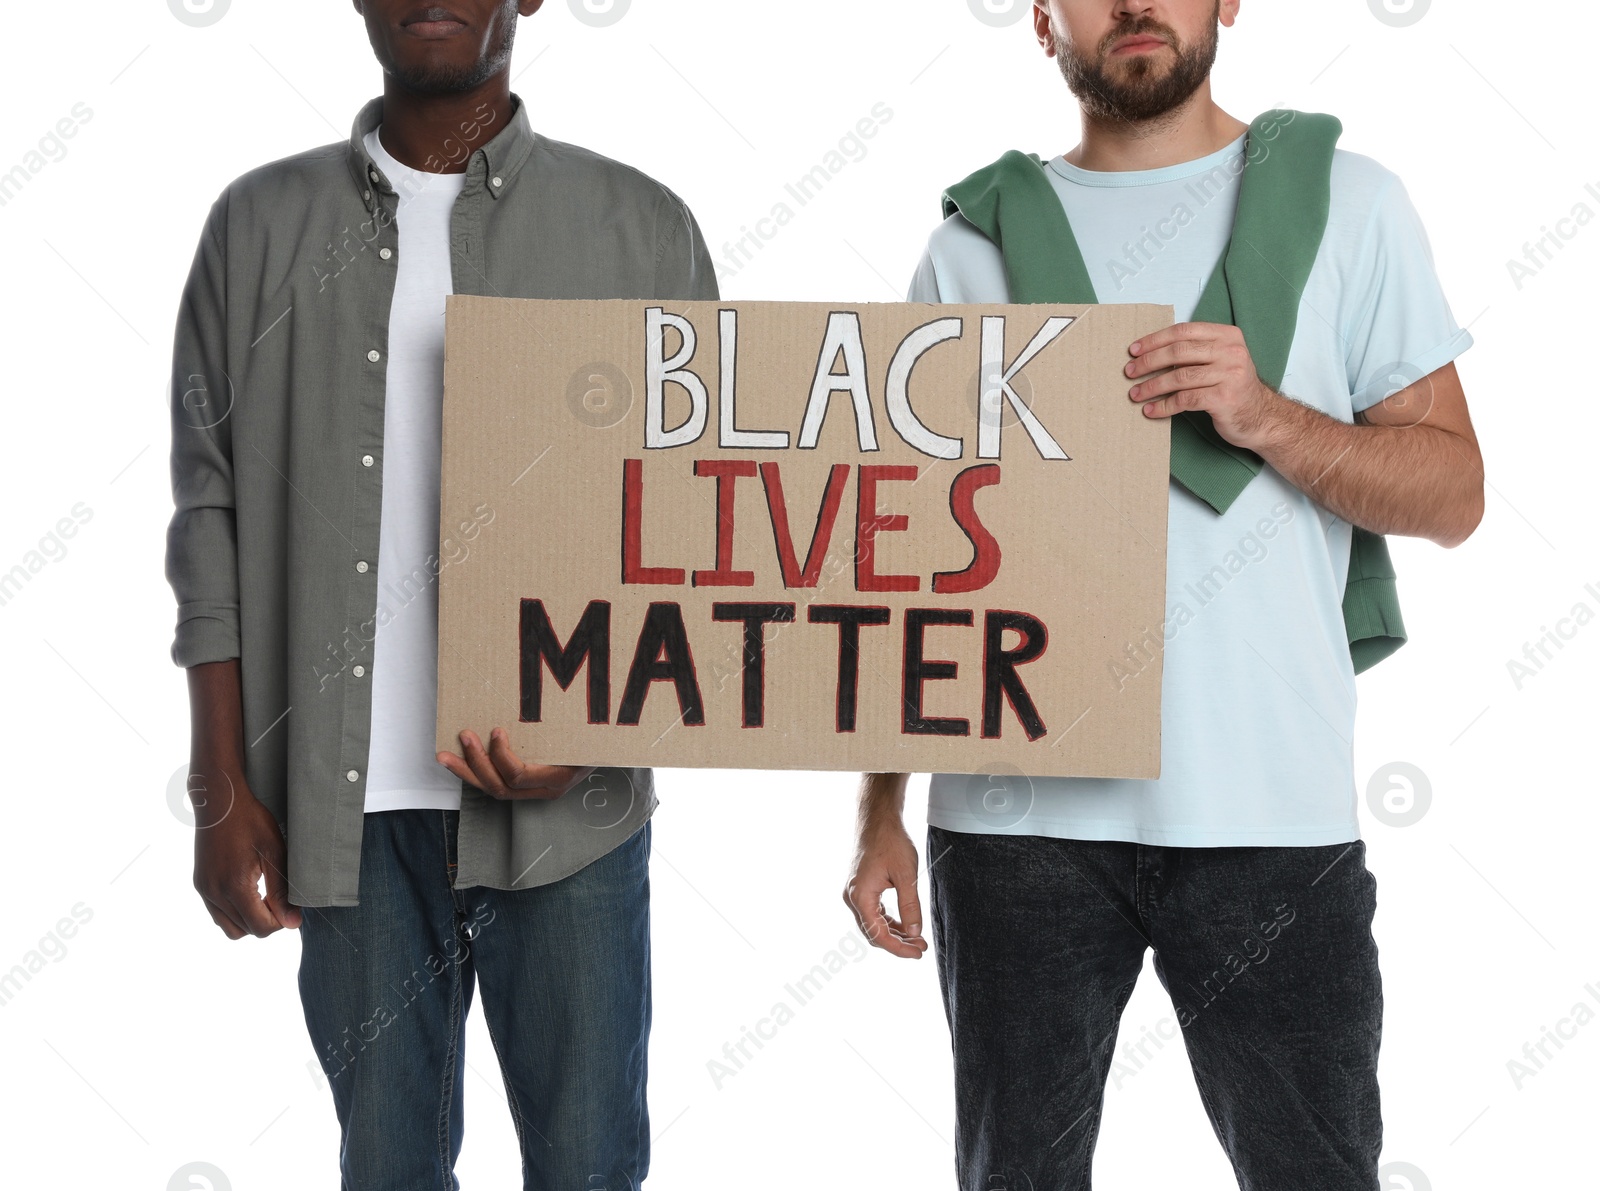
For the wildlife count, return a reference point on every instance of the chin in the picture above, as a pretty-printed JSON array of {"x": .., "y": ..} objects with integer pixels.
[
  {"x": 1143, "y": 68},
  {"x": 438, "y": 78}
]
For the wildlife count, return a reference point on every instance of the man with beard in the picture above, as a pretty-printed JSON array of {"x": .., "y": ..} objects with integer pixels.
[
  {"x": 1315, "y": 407},
  {"x": 304, "y": 552}
]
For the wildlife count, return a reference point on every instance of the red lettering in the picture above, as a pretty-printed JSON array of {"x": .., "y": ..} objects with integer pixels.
[
  {"x": 832, "y": 496},
  {"x": 727, "y": 472},
  {"x": 633, "y": 570},
  {"x": 870, "y": 523},
  {"x": 985, "y": 550}
]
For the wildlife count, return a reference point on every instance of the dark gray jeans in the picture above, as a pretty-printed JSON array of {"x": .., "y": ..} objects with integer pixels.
[{"x": 1269, "y": 959}]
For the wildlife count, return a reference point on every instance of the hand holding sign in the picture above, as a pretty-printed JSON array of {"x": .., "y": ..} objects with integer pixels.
[
  {"x": 500, "y": 773},
  {"x": 1207, "y": 367}
]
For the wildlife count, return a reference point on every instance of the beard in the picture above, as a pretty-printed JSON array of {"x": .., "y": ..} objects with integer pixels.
[
  {"x": 453, "y": 80},
  {"x": 1137, "y": 91}
]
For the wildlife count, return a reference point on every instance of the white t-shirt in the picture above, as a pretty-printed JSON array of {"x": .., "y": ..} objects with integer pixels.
[
  {"x": 401, "y": 770},
  {"x": 1258, "y": 696}
]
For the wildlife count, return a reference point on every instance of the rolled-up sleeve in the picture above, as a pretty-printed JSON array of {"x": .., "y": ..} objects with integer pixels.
[{"x": 202, "y": 561}]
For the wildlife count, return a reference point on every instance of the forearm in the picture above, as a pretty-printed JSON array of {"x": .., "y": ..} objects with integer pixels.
[
  {"x": 237, "y": 845},
  {"x": 1419, "y": 481},
  {"x": 882, "y": 799},
  {"x": 216, "y": 726}
]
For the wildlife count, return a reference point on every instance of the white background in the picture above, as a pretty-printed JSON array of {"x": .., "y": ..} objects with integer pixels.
[{"x": 153, "y": 1042}]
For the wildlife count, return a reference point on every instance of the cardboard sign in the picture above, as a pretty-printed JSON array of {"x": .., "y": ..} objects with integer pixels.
[{"x": 769, "y": 535}]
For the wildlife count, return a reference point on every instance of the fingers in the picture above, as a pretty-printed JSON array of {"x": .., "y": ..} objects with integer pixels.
[
  {"x": 500, "y": 773},
  {"x": 222, "y": 915},
  {"x": 250, "y": 908},
  {"x": 483, "y": 772},
  {"x": 1179, "y": 333},
  {"x": 903, "y": 936},
  {"x": 1166, "y": 407},
  {"x": 506, "y": 763},
  {"x": 530, "y": 781},
  {"x": 1188, "y": 366},
  {"x": 1185, "y": 351},
  {"x": 232, "y": 860},
  {"x": 458, "y": 767},
  {"x": 551, "y": 781},
  {"x": 910, "y": 907},
  {"x": 1191, "y": 378},
  {"x": 864, "y": 895}
]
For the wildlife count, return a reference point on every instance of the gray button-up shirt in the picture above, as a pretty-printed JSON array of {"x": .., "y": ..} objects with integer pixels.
[{"x": 278, "y": 402}]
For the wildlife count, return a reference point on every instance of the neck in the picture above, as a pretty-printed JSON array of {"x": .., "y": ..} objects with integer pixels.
[
  {"x": 439, "y": 133},
  {"x": 1194, "y": 129}
]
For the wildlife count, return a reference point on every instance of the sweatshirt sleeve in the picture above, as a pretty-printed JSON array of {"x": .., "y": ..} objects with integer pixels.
[{"x": 202, "y": 563}]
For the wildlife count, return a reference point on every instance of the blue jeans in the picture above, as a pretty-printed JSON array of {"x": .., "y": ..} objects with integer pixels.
[
  {"x": 1269, "y": 959},
  {"x": 565, "y": 973}
]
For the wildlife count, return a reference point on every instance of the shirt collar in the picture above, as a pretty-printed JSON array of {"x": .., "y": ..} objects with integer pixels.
[{"x": 493, "y": 165}]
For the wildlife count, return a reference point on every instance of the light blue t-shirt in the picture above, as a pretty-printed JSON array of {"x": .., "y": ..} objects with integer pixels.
[{"x": 1258, "y": 698}]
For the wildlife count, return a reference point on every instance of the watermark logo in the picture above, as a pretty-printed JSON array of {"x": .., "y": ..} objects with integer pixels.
[
  {"x": 599, "y": 13},
  {"x": 51, "y": 147},
  {"x": 849, "y": 149},
  {"x": 187, "y": 791},
  {"x": 1399, "y": 13},
  {"x": 1399, "y": 794},
  {"x": 989, "y": 396},
  {"x": 1539, "y": 253},
  {"x": 200, "y": 409},
  {"x": 199, "y": 14},
  {"x": 1539, "y": 1053},
  {"x": 599, "y": 395},
  {"x": 1391, "y": 388},
  {"x": 1402, "y": 1176},
  {"x": 51, "y": 548},
  {"x": 198, "y": 1176},
  {"x": 1542, "y": 650},
  {"x": 999, "y": 13},
  {"x": 52, "y": 947},
  {"x": 603, "y": 805},
  {"x": 739, "y": 1053},
  {"x": 1000, "y": 799}
]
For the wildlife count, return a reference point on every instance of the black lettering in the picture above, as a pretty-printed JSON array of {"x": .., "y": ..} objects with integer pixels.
[
  {"x": 917, "y": 670},
  {"x": 849, "y": 618},
  {"x": 755, "y": 618},
  {"x": 663, "y": 633},
  {"x": 590, "y": 641},
  {"x": 1000, "y": 670}
]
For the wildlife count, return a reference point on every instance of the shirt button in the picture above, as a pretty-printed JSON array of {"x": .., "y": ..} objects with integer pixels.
[
  {"x": 373, "y": 355},
  {"x": 366, "y": 461},
  {"x": 385, "y": 253},
  {"x": 497, "y": 182},
  {"x": 352, "y": 776},
  {"x": 367, "y": 195},
  {"x": 358, "y": 671},
  {"x": 361, "y": 567}
]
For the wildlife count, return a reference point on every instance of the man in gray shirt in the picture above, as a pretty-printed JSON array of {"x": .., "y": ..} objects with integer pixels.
[{"x": 304, "y": 553}]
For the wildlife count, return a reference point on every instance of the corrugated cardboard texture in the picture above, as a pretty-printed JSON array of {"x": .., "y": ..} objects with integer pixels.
[{"x": 544, "y": 403}]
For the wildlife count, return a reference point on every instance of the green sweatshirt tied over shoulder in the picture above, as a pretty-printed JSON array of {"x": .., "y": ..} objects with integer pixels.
[{"x": 1277, "y": 230}]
